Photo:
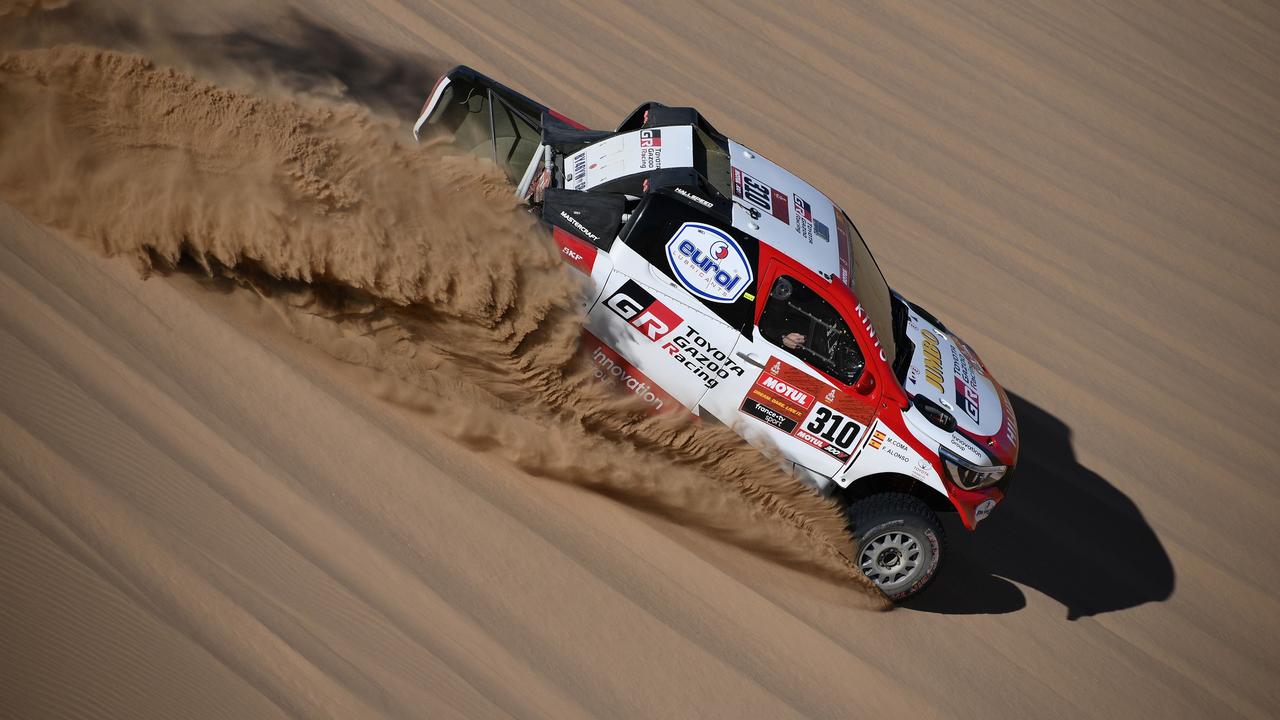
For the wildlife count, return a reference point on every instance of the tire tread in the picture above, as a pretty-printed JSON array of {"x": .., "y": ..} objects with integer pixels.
[{"x": 877, "y": 509}]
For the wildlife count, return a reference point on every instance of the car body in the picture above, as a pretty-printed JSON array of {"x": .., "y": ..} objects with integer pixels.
[{"x": 723, "y": 285}]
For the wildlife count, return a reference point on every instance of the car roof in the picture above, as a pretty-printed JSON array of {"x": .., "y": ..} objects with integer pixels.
[
  {"x": 789, "y": 214},
  {"x": 764, "y": 200}
]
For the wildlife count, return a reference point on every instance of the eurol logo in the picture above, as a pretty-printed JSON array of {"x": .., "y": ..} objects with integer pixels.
[{"x": 709, "y": 263}]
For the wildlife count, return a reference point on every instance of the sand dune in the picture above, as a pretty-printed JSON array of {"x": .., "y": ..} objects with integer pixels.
[{"x": 204, "y": 514}]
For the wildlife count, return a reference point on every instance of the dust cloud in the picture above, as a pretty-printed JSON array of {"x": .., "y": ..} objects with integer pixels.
[{"x": 416, "y": 267}]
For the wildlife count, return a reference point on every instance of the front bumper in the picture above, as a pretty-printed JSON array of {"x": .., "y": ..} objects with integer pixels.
[{"x": 975, "y": 505}]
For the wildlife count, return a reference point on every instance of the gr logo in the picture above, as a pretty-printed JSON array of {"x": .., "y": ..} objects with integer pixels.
[{"x": 642, "y": 311}]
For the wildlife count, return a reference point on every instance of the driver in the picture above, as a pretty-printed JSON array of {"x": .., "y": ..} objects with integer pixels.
[
  {"x": 801, "y": 322},
  {"x": 792, "y": 340}
]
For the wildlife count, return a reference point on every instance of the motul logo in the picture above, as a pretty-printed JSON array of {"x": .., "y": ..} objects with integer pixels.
[{"x": 775, "y": 385}]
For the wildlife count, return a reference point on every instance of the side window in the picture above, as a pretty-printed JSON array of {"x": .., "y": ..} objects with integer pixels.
[
  {"x": 714, "y": 262},
  {"x": 516, "y": 139},
  {"x": 798, "y": 319}
]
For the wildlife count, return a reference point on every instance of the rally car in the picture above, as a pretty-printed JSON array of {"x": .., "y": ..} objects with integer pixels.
[{"x": 722, "y": 285}]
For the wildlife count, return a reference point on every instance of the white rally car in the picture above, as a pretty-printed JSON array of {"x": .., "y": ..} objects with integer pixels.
[{"x": 723, "y": 285}]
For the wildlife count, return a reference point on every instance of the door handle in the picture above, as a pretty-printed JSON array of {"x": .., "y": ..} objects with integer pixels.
[{"x": 752, "y": 358}]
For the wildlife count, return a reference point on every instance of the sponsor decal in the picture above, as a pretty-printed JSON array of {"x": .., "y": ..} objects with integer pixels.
[
  {"x": 637, "y": 152},
  {"x": 842, "y": 243},
  {"x": 823, "y": 445},
  {"x": 932, "y": 358},
  {"x": 650, "y": 149},
  {"x": 612, "y": 370},
  {"x": 701, "y": 201},
  {"x": 967, "y": 398},
  {"x": 969, "y": 355},
  {"x": 709, "y": 263},
  {"x": 761, "y": 196},
  {"x": 984, "y": 509},
  {"x": 576, "y": 251},
  {"x": 967, "y": 447},
  {"x": 781, "y": 397},
  {"x": 787, "y": 399},
  {"x": 579, "y": 176},
  {"x": 832, "y": 432},
  {"x": 779, "y": 387},
  {"x": 871, "y": 331},
  {"x": 966, "y": 382},
  {"x": 707, "y": 362},
  {"x": 806, "y": 225},
  {"x": 769, "y": 416},
  {"x": 642, "y": 311},
  {"x": 1010, "y": 422},
  {"x": 579, "y": 226},
  {"x": 886, "y": 443}
]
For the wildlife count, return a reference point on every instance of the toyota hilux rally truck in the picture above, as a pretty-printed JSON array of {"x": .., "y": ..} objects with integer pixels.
[{"x": 722, "y": 285}]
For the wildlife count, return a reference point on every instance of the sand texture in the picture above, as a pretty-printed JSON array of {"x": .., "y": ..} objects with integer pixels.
[{"x": 292, "y": 423}]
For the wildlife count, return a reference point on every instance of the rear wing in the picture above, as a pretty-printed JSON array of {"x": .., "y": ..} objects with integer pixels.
[{"x": 485, "y": 118}]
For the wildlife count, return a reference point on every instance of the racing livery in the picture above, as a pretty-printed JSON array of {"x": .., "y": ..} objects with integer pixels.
[{"x": 722, "y": 285}]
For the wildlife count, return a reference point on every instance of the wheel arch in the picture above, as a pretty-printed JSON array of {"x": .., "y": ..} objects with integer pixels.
[{"x": 895, "y": 482}]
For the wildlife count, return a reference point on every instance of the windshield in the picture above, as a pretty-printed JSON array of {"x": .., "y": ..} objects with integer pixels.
[{"x": 868, "y": 284}]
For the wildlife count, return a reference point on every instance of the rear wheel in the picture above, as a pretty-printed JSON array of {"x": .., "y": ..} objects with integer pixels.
[{"x": 899, "y": 542}]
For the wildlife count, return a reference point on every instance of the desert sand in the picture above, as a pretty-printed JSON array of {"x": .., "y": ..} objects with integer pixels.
[{"x": 288, "y": 426}]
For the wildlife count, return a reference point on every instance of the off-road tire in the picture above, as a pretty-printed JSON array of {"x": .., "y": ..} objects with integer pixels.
[{"x": 897, "y": 527}]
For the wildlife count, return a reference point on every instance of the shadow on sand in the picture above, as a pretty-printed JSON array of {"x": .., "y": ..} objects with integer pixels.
[
  {"x": 304, "y": 55},
  {"x": 1065, "y": 531},
  {"x": 285, "y": 47}
]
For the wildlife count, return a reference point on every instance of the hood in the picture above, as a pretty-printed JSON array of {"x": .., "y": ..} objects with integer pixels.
[{"x": 947, "y": 371}]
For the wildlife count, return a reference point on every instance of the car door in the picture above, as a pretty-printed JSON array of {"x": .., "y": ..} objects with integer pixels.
[
  {"x": 802, "y": 394},
  {"x": 681, "y": 291}
]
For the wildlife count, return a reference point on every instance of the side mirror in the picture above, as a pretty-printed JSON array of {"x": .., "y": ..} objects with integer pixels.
[{"x": 866, "y": 383}]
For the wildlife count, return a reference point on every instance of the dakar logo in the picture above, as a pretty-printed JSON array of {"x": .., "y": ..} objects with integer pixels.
[
  {"x": 709, "y": 263},
  {"x": 831, "y": 396},
  {"x": 777, "y": 368}
]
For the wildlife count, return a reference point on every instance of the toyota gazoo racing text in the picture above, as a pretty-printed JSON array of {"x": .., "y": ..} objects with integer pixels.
[{"x": 720, "y": 284}]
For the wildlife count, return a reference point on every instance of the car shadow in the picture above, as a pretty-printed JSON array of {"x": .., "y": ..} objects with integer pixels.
[{"x": 1064, "y": 531}]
